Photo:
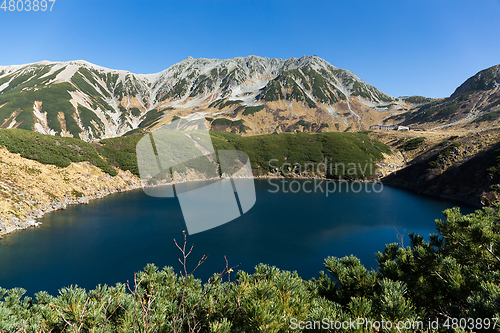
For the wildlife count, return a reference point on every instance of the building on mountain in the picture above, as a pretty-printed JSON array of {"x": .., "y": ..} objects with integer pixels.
[
  {"x": 403, "y": 128},
  {"x": 383, "y": 127}
]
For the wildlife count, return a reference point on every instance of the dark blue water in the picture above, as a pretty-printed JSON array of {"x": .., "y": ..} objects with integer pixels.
[{"x": 109, "y": 239}]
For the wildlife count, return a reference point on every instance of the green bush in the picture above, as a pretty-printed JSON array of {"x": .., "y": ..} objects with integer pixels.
[
  {"x": 413, "y": 144},
  {"x": 120, "y": 152},
  {"x": 301, "y": 148},
  {"x": 417, "y": 99},
  {"x": 447, "y": 151},
  {"x": 221, "y": 124},
  {"x": 150, "y": 117},
  {"x": 491, "y": 116},
  {"x": 252, "y": 109}
]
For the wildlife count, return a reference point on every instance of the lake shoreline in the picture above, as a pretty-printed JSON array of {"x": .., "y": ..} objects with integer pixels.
[
  {"x": 474, "y": 202},
  {"x": 32, "y": 217}
]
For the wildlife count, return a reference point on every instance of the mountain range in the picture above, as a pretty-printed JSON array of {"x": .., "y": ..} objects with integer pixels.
[{"x": 249, "y": 96}]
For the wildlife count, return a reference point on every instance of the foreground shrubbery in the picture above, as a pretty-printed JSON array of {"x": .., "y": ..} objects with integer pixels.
[{"x": 454, "y": 275}]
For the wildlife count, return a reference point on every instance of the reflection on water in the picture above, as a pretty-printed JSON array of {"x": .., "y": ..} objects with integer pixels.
[{"x": 109, "y": 239}]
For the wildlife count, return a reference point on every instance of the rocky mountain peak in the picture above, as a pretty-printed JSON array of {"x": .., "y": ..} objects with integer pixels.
[
  {"x": 78, "y": 98},
  {"x": 484, "y": 80}
]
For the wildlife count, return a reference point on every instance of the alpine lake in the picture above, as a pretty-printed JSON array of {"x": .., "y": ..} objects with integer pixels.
[{"x": 294, "y": 225}]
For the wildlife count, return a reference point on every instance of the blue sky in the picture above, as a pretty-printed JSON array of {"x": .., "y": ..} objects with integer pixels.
[{"x": 404, "y": 47}]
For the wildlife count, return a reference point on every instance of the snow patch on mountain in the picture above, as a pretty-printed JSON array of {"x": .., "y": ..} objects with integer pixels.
[
  {"x": 54, "y": 68},
  {"x": 12, "y": 124},
  {"x": 5, "y": 85},
  {"x": 252, "y": 86},
  {"x": 110, "y": 127},
  {"x": 67, "y": 73},
  {"x": 77, "y": 97}
]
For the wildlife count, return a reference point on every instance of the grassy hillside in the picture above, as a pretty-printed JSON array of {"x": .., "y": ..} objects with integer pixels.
[
  {"x": 301, "y": 148},
  {"x": 120, "y": 152},
  {"x": 346, "y": 149},
  {"x": 48, "y": 149},
  {"x": 340, "y": 148}
]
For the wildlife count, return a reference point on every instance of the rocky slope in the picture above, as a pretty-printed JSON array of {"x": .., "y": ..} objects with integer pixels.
[
  {"x": 461, "y": 165},
  {"x": 474, "y": 105},
  {"x": 250, "y": 95},
  {"x": 29, "y": 189}
]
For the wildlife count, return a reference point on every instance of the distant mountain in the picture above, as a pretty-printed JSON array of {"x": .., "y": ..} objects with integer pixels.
[
  {"x": 250, "y": 95},
  {"x": 476, "y": 103}
]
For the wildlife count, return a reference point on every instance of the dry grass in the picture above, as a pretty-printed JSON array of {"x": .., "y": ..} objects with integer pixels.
[{"x": 27, "y": 186}]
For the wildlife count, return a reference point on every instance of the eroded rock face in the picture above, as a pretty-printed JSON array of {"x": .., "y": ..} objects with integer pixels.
[{"x": 458, "y": 169}]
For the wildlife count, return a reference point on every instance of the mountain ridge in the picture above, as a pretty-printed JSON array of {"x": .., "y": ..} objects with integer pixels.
[
  {"x": 474, "y": 105},
  {"x": 247, "y": 95},
  {"x": 81, "y": 99}
]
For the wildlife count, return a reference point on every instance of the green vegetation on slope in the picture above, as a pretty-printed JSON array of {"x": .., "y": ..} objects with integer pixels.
[
  {"x": 355, "y": 153},
  {"x": 435, "y": 110},
  {"x": 179, "y": 90},
  {"x": 271, "y": 92},
  {"x": 91, "y": 120},
  {"x": 320, "y": 87},
  {"x": 221, "y": 104},
  {"x": 48, "y": 149},
  {"x": 491, "y": 116},
  {"x": 55, "y": 99},
  {"x": 222, "y": 124},
  {"x": 337, "y": 148},
  {"x": 413, "y": 144},
  {"x": 252, "y": 109},
  {"x": 28, "y": 79},
  {"x": 444, "y": 153},
  {"x": 453, "y": 275},
  {"x": 150, "y": 116},
  {"x": 417, "y": 99},
  {"x": 120, "y": 152},
  {"x": 301, "y": 148}
]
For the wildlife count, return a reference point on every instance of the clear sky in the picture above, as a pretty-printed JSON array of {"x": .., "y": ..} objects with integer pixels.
[{"x": 403, "y": 47}]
